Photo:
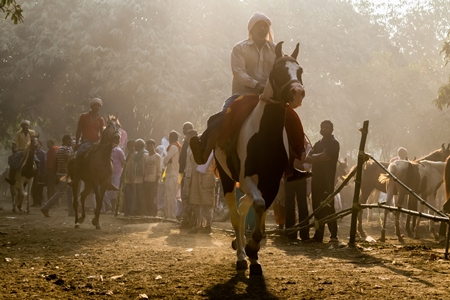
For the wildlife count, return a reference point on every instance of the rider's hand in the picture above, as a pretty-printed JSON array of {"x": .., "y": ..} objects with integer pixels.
[{"x": 259, "y": 88}]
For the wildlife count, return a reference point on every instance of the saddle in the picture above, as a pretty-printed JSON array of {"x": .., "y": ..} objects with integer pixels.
[{"x": 233, "y": 120}]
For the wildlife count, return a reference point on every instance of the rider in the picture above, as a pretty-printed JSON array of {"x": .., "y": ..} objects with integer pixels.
[
  {"x": 251, "y": 63},
  {"x": 20, "y": 143},
  {"x": 90, "y": 127}
]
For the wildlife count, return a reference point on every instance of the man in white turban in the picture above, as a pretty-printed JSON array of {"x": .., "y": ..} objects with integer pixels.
[
  {"x": 251, "y": 63},
  {"x": 20, "y": 143},
  {"x": 90, "y": 126}
]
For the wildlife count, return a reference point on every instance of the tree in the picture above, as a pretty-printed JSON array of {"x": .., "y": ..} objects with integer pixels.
[
  {"x": 11, "y": 9},
  {"x": 443, "y": 99}
]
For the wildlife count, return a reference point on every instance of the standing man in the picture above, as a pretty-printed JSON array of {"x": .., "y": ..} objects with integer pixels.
[
  {"x": 402, "y": 154},
  {"x": 324, "y": 157},
  {"x": 171, "y": 179},
  {"x": 140, "y": 203},
  {"x": 296, "y": 197},
  {"x": 152, "y": 173},
  {"x": 62, "y": 157},
  {"x": 185, "y": 173},
  {"x": 90, "y": 127},
  {"x": 21, "y": 142},
  {"x": 50, "y": 169},
  {"x": 37, "y": 188}
]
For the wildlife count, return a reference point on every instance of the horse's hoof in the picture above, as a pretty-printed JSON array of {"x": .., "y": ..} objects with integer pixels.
[
  {"x": 77, "y": 225},
  {"x": 255, "y": 269},
  {"x": 234, "y": 244},
  {"x": 98, "y": 226},
  {"x": 241, "y": 265}
]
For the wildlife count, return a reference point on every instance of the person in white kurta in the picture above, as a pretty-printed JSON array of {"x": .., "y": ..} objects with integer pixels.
[
  {"x": 171, "y": 177},
  {"x": 201, "y": 194}
]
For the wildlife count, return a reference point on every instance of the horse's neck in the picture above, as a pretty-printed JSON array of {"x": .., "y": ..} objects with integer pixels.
[{"x": 433, "y": 156}]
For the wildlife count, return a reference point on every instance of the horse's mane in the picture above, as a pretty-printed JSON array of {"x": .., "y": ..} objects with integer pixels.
[{"x": 114, "y": 118}]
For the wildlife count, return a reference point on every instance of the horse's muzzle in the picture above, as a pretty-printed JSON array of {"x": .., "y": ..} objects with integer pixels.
[{"x": 298, "y": 93}]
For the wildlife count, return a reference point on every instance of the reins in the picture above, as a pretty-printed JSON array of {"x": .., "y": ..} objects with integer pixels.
[{"x": 278, "y": 91}]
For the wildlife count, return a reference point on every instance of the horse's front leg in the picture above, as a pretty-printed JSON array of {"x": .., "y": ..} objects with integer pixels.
[
  {"x": 99, "y": 194},
  {"x": 238, "y": 242},
  {"x": 87, "y": 189},
  {"x": 29, "y": 185},
  {"x": 75, "y": 188},
  {"x": 253, "y": 245}
]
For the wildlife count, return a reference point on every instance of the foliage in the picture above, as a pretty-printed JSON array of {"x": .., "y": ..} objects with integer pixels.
[
  {"x": 161, "y": 63},
  {"x": 11, "y": 9},
  {"x": 443, "y": 99}
]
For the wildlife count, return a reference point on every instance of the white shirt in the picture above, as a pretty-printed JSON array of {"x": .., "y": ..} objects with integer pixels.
[
  {"x": 171, "y": 161},
  {"x": 251, "y": 65}
]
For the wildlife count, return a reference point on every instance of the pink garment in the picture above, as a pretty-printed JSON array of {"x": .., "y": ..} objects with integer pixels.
[
  {"x": 123, "y": 139},
  {"x": 118, "y": 158}
]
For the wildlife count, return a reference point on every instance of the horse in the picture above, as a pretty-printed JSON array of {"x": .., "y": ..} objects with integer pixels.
[
  {"x": 94, "y": 168},
  {"x": 24, "y": 178},
  {"x": 261, "y": 156},
  {"x": 341, "y": 171},
  {"x": 371, "y": 187},
  {"x": 447, "y": 186},
  {"x": 423, "y": 177}
]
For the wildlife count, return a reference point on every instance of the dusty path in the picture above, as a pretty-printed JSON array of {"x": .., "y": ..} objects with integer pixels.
[{"x": 46, "y": 258}]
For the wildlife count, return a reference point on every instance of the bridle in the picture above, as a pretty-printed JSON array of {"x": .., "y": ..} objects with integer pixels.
[{"x": 278, "y": 91}]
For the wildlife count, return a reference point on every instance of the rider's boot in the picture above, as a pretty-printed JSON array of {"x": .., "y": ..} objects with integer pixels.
[{"x": 12, "y": 175}]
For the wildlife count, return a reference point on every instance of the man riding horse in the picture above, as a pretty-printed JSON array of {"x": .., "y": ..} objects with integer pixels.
[
  {"x": 90, "y": 127},
  {"x": 251, "y": 63},
  {"x": 20, "y": 143}
]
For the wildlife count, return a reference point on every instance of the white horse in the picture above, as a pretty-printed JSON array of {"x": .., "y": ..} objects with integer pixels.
[{"x": 423, "y": 177}]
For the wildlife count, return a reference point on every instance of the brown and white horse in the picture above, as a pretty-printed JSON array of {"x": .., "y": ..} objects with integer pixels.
[
  {"x": 24, "y": 179},
  {"x": 262, "y": 156}
]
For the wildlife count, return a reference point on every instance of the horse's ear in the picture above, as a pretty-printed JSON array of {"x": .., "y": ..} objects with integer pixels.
[
  {"x": 448, "y": 146},
  {"x": 278, "y": 51},
  {"x": 295, "y": 53},
  {"x": 443, "y": 146},
  {"x": 345, "y": 159}
]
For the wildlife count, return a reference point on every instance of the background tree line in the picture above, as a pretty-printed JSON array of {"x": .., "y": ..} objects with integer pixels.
[{"x": 161, "y": 63}]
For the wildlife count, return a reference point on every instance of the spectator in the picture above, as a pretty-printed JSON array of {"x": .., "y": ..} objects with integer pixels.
[{"x": 324, "y": 157}]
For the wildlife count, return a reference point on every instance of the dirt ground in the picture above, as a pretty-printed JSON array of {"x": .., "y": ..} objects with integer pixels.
[{"x": 47, "y": 258}]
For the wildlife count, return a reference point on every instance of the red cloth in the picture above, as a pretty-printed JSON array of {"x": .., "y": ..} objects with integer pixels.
[{"x": 295, "y": 133}]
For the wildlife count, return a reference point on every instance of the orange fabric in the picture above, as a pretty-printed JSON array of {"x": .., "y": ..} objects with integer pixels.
[{"x": 90, "y": 130}]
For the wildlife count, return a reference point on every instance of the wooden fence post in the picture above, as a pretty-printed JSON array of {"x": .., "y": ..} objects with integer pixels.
[{"x": 361, "y": 160}]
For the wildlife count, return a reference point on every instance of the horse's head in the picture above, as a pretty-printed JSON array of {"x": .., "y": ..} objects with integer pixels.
[
  {"x": 286, "y": 78},
  {"x": 111, "y": 133}
]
